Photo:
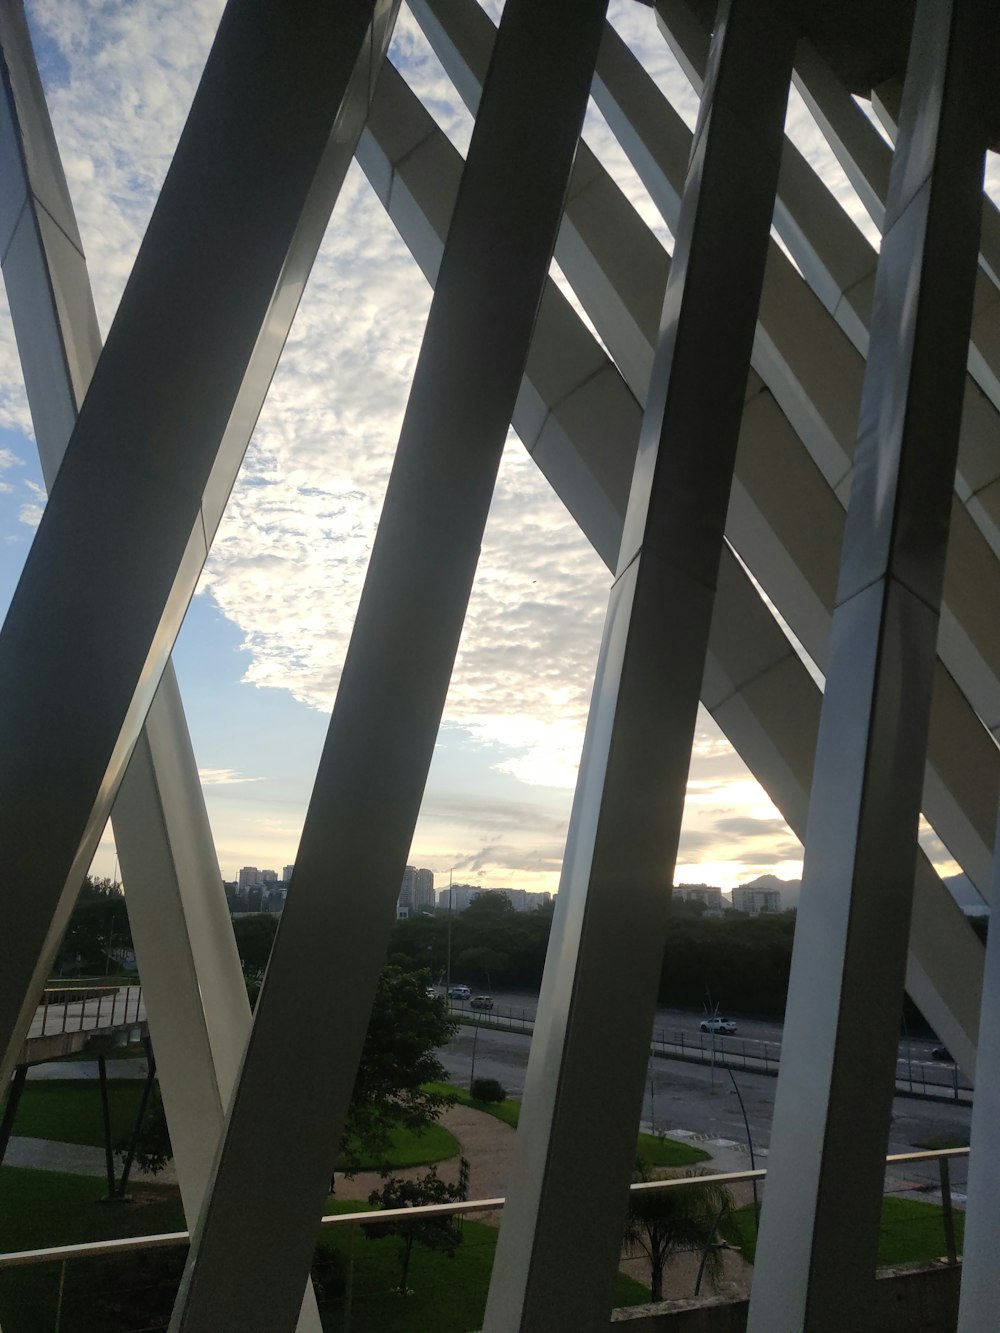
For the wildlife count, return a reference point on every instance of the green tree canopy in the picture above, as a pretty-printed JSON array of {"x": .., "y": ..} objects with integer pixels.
[
  {"x": 490, "y": 903},
  {"x": 399, "y": 1057},
  {"x": 437, "y": 1233},
  {"x": 255, "y": 934}
]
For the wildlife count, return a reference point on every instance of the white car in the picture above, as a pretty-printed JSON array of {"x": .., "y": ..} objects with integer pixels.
[
  {"x": 725, "y": 1025},
  {"x": 459, "y": 993}
]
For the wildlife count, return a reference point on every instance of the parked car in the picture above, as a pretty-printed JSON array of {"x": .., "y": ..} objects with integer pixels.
[
  {"x": 459, "y": 993},
  {"x": 942, "y": 1053},
  {"x": 725, "y": 1025},
  {"x": 482, "y": 1002},
  {"x": 431, "y": 993}
]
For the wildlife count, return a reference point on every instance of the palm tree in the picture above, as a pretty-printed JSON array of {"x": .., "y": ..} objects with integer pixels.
[{"x": 663, "y": 1222}]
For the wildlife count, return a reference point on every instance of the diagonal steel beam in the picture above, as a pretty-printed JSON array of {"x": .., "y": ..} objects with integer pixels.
[
  {"x": 606, "y": 951},
  {"x": 255, "y": 1238},
  {"x": 839, "y": 263},
  {"x": 161, "y": 435}
]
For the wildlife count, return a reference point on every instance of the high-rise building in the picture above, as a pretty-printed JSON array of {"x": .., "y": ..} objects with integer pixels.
[
  {"x": 286, "y": 873},
  {"x": 423, "y": 888},
  {"x": 249, "y": 878},
  {"x": 269, "y": 877},
  {"x": 755, "y": 901},
  {"x": 458, "y": 896},
  {"x": 407, "y": 891},
  {"x": 706, "y": 894}
]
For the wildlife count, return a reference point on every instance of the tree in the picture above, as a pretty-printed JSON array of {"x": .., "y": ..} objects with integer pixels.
[
  {"x": 254, "y": 937},
  {"x": 398, "y": 1057},
  {"x": 437, "y": 1233},
  {"x": 406, "y": 1027},
  {"x": 493, "y": 902},
  {"x": 99, "y": 923},
  {"x": 662, "y": 1222},
  {"x": 152, "y": 1149},
  {"x": 482, "y": 964}
]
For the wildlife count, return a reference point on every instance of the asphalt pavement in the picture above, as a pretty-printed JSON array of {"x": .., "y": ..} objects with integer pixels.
[{"x": 701, "y": 1102}]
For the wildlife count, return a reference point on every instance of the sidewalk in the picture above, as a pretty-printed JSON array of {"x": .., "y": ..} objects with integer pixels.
[{"x": 76, "y": 1159}]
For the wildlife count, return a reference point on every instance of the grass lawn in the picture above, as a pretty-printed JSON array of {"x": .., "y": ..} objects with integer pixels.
[
  {"x": 446, "y": 1295},
  {"x": 39, "y": 1208},
  {"x": 69, "y": 1110},
  {"x": 911, "y": 1232},
  {"x": 42, "y": 1208},
  {"x": 657, "y": 1150},
  {"x": 661, "y": 1151},
  {"x": 409, "y": 1148},
  {"x": 507, "y": 1111}
]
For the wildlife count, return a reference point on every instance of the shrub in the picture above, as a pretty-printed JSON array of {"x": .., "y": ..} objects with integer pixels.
[{"x": 488, "y": 1090}]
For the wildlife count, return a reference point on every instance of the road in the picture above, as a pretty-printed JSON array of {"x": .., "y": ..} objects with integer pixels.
[
  {"x": 694, "y": 1099},
  {"x": 757, "y": 1043}
]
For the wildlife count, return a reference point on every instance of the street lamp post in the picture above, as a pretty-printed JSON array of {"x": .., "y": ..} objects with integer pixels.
[
  {"x": 475, "y": 1039},
  {"x": 447, "y": 973}
]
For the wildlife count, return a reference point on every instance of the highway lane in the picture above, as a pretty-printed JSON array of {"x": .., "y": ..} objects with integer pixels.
[
  {"x": 698, "y": 1100},
  {"x": 522, "y": 1006}
]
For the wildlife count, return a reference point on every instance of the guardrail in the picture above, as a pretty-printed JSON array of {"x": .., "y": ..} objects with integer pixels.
[
  {"x": 356, "y": 1288},
  {"x": 459, "y": 1208},
  {"x": 752, "y": 1054},
  {"x": 71, "y": 1009}
]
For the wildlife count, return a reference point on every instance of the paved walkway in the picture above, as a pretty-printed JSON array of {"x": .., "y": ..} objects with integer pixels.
[
  {"x": 485, "y": 1141},
  {"x": 76, "y": 1159}
]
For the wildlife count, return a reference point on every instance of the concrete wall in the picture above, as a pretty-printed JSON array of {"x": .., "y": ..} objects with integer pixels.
[{"x": 915, "y": 1298}]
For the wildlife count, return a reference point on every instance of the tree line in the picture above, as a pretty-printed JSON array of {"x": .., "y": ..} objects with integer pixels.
[
  {"x": 736, "y": 962},
  {"x": 739, "y": 962}
]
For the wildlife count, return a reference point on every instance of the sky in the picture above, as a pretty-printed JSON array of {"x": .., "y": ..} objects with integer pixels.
[{"x": 259, "y": 656}]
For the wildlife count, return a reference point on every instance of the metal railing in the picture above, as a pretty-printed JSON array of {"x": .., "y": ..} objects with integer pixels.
[
  {"x": 132, "y": 1282},
  {"x": 459, "y": 1208},
  {"x": 84, "y": 1009},
  {"x": 752, "y": 1054}
]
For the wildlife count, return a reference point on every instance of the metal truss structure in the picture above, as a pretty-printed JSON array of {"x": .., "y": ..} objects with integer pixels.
[{"x": 775, "y": 407}]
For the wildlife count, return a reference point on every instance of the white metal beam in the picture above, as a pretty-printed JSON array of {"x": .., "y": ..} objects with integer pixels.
[{"x": 255, "y": 1237}]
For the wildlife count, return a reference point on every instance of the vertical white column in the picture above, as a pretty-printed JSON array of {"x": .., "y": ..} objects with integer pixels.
[
  {"x": 561, "y": 1235},
  {"x": 817, "y": 1249},
  {"x": 255, "y": 1237}
]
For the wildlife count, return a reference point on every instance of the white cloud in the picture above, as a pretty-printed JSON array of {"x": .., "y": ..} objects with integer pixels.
[
  {"x": 30, "y": 515},
  {"x": 219, "y": 777}
]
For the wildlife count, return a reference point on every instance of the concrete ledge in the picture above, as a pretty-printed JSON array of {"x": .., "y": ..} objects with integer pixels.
[{"x": 913, "y": 1298}]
